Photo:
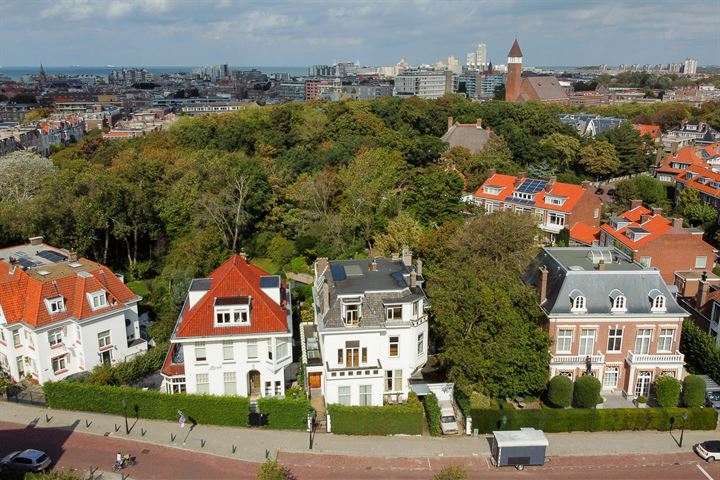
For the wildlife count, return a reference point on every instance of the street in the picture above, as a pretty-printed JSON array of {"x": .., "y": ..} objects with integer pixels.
[{"x": 83, "y": 451}]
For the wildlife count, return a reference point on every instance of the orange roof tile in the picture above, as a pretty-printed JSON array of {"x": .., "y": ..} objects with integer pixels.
[
  {"x": 571, "y": 192},
  {"x": 635, "y": 214},
  {"x": 652, "y": 130},
  {"x": 584, "y": 233},
  {"x": 700, "y": 172},
  {"x": 170, "y": 368},
  {"x": 656, "y": 226}
]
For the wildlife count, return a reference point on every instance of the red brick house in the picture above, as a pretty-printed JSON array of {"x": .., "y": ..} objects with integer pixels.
[
  {"x": 703, "y": 179},
  {"x": 681, "y": 159}
]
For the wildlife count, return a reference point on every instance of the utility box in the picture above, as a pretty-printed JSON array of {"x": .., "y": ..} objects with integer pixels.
[{"x": 519, "y": 448}]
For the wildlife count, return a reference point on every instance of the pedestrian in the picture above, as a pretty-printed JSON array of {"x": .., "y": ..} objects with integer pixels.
[
  {"x": 119, "y": 459},
  {"x": 182, "y": 418}
]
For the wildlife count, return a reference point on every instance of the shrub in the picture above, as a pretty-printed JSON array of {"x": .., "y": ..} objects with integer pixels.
[
  {"x": 285, "y": 413},
  {"x": 641, "y": 399},
  {"x": 560, "y": 391},
  {"x": 432, "y": 411},
  {"x": 405, "y": 418},
  {"x": 204, "y": 409},
  {"x": 482, "y": 402},
  {"x": 553, "y": 420},
  {"x": 451, "y": 472},
  {"x": 701, "y": 352},
  {"x": 667, "y": 391},
  {"x": 125, "y": 373},
  {"x": 693, "y": 392},
  {"x": 272, "y": 470},
  {"x": 587, "y": 391}
]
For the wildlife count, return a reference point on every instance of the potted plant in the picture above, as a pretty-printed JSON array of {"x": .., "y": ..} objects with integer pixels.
[{"x": 641, "y": 401}]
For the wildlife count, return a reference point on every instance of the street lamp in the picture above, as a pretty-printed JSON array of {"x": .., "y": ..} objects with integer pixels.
[
  {"x": 125, "y": 404},
  {"x": 682, "y": 432},
  {"x": 311, "y": 425}
]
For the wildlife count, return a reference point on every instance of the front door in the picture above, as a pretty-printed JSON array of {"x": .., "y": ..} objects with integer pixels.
[
  {"x": 254, "y": 386},
  {"x": 314, "y": 379},
  {"x": 642, "y": 387},
  {"x": 106, "y": 357}
]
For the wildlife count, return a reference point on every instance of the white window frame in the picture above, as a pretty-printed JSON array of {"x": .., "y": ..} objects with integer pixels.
[
  {"x": 344, "y": 395},
  {"x": 55, "y": 336},
  {"x": 393, "y": 312},
  {"x": 365, "y": 395},
  {"x": 700, "y": 261},
  {"x": 643, "y": 339},
  {"x": 561, "y": 338},
  {"x": 659, "y": 304},
  {"x": 104, "y": 339},
  {"x": 393, "y": 380},
  {"x": 579, "y": 304},
  {"x": 667, "y": 336},
  {"x": 619, "y": 304},
  {"x": 229, "y": 383},
  {"x": 55, "y": 305},
  {"x": 646, "y": 261},
  {"x": 228, "y": 351},
  {"x": 416, "y": 308},
  {"x": 351, "y": 316},
  {"x": 60, "y": 362},
  {"x": 202, "y": 383},
  {"x": 17, "y": 338},
  {"x": 252, "y": 349},
  {"x": 557, "y": 219},
  {"x": 97, "y": 300},
  {"x": 237, "y": 315},
  {"x": 200, "y": 352},
  {"x": 611, "y": 372},
  {"x": 421, "y": 343},
  {"x": 583, "y": 341},
  {"x": 395, "y": 342},
  {"x": 281, "y": 348},
  {"x": 612, "y": 336}
]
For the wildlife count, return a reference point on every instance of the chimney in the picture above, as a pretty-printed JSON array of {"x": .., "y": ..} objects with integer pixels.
[
  {"x": 413, "y": 279},
  {"x": 490, "y": 172},
  {"x": 551, "y": 181},
  {"x": 406, "y": 256},
  {"x": 702, "y": 293},
  {"x": 72, "y": 256},
  {"x": 657, "y": 211},
  {"x": 36, "y": 240},
  {"x": 586, "y": 184},
  {"x": 601, "y": 266},
  {"x": 644, "y": 218},
  {"x": 451, "y": 122},
  {"x": 321, "y": 265},
  {"x": 478, "y": 123},
  {"x": 418, "y": 267},
  {"x": 543, "y": 284},
  {"x": 635, "y": 204},
  {"x": 677, "y": 223},
  {"x": 674, "y": 148},
  {"x": 395, "y": 256},
  {"x": 519, "y": 179}
]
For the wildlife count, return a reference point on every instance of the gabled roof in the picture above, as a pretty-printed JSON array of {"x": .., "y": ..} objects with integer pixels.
[
  {"x": 234, "y": 278},
  {"x": 467, "y": 135},
  {"x": 546, "y": 88},
  {"x": 585, "y": 234},
  {"x": 653, "y": 130},
  {"x": 515, "y": 50},
  {"x": 697, "y": 173},
  {"x": 572, "y": 193}
]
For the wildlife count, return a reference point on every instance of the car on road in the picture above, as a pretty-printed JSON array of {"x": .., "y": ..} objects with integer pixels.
[
  {"x": 448, "y": 422},
  {"x": 26, "y": 461},
  {"x": 709, "y": 450}
]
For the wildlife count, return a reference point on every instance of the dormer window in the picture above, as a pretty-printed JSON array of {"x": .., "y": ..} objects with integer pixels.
[
  {"x": 619, "y": 301},
  {"x": 553, "y": 200},
  {"x": 55, "y": 305},
  {"x": 577, "y": 300},
  {"x": 658, "y": 302},
  {"x": 393, "y": 312},
  {"x": 490, "y": 190},
  {"x": 97, "y": 300},
  {"x": 351, "y": 311},
  {"x": 232, "y": 311}
]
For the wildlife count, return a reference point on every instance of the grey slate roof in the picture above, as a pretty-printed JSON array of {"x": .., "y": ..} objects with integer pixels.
[
  {"x": 468, "y": 136},
  {"x": 570, "y": 269}
]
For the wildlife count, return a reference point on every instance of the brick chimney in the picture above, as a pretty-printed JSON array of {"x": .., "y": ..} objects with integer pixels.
[
  {"x": 644, "y": 218},
  {"x": 635, "y": 203},
  {"x": 413, "y": 279},
  {"x": 451, "y": 122},
  {"x": 395, "y": 256},
  {"x": 703, "y": 291},
  {"x": 543, "y": 284},
  {"x": 519, "y": 179},
  {"x": 406, "y": 256},
  {"x": 490, "y": 172},
  {"x": 657, "y": 211},
  {"x": 72, "y": 256},
  {"x": 36, "y": 240},
  {"x": 677, "y": 223},
  {"x": 478, "y": 123},
  {"x": 551, "y": 181}
]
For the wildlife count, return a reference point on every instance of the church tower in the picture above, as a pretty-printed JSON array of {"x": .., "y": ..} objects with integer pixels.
[{"x": 514, "y": 73}]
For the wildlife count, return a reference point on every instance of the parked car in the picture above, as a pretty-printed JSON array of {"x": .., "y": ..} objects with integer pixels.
[
  {"x": 709, "y": 450},
  {"x": 611, "y": 192},
  {"x": 599, "y": 191},
  {"x": 713, "y": 400},
  {"x": 448, "y": 422},
  {"x": 26, "y": 461}
]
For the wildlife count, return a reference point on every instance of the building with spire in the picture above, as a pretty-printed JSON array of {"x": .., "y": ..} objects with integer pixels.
[
  {"x": 514, "y": 73},
  {"x": 42, "y": 77},
  {"x": 530, "y": 89}
]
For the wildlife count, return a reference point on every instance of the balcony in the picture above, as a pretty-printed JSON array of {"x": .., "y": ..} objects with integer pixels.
[
  {"x": 551, "y": 227},
  {"x": 576, "y": 359},
  {"x": 657, "y": 358}
]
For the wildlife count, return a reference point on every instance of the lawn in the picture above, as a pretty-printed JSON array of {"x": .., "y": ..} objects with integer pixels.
[
  {"x": 139, "y": 287},
  {"x": 266, "y": 264}
]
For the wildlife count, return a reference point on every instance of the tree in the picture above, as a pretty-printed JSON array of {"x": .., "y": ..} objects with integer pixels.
[
  {"x": 695, "y": 211},
  {"x": 693, "y": 393},
  {"x": 34, "y": 115},
  {"x": 496, "y": 154},
  {"x": 587, "y": 391},
  {"x": 499, "y": 92},
  {"x": 629, "y": 148},
  {"x": 401, "y": 230},
  {"x": 599, "y": 159},
  {"x": 22, "y": 174},
  {"x": 281, "y": 250},
  {"x": 667, "y": 391},
  {"x": 434, "y": 196},
  {"x": 566, "y": 147},
  {"x": 642, "y": 187},
  {"x": 273, "y": 470},
  {"x": 560, "y": 391}
]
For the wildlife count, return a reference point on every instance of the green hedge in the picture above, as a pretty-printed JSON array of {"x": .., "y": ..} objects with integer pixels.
[
  {"x": 285, "y": 413},
  {"x": 593, "y": 420},
  {"x": 125, "y": 373},
  {"x": 203, "y": 409},
  {"x": 693, "y": 393},
  {"x": 667, "y": 391},
  {"x": 560, "y": 391},
  {"x": 587, "y": 391},
  {"x": 432, "y": 411},
  {"x": 406, "y": 418}
]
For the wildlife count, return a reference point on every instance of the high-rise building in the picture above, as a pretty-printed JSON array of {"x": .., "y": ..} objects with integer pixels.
[
  {"x": 514, "y": 75},
  {"x": 471, "y": 61},
  {"x": 481, "y": 56},
  {"x": 453, "y": 64},
  {"x": 690, "y": 66}
]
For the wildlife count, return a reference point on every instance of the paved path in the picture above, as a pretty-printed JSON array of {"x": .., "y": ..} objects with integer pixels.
[{"x": 252, "y": 444}]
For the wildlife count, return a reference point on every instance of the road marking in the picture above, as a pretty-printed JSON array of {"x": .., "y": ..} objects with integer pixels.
[
  {"x": 707, "y": 475},
  {"x": 430, "y": 466}
]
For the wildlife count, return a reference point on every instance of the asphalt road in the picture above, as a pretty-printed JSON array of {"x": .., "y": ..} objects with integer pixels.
[{"x": 81, "y": 451}]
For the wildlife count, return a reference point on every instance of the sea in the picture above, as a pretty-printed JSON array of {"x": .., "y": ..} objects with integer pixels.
[{"x": 17, "y": 72}]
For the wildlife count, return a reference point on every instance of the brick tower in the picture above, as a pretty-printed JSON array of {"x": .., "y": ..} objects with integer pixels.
[{"x": 514, "y": 73}]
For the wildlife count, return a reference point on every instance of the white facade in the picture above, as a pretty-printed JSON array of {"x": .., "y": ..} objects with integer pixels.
[{"x": 428, "y": 84}]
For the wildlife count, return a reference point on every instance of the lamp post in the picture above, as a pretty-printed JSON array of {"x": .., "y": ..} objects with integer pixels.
[
  {"x": 311, "y": 425},
  {"x": 125, "y": 404},
  {"x": 682, "y": 431}
]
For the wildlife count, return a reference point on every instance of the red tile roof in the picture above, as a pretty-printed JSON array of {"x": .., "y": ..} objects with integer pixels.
[
  {"x": 652, "y": 130},
  {"x": 170, "y": 368},
  {"x": 584, "y": 233},
  {"x": 689, "y": 155},
  {"x": 23, "y": 295},
  {"x": 701, "y": 172},
  {"x": 571, "y": 192},
  {"x": 656, "y": 226},
  {"x": 236, "y": 277}
]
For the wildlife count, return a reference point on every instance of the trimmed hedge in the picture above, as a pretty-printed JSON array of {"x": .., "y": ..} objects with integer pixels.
[
  {"x": 702, "y": 354},
  {"x": 405, "y": 418},
  {"x": 693, "y": 391},
  {"x": 667, "y": 391},
  {"x": 560, "y": 391},
  {"x": 125, "y": 373},
  {"x": 587, "y": 391},
  {"x": 593, "y": 420},
  {"x": 203, "y": 409},
  {"x": 285, "y": 413},
  {"x": 432, "y": 411}
]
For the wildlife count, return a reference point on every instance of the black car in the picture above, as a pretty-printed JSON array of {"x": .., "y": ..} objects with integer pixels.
[
  {"x": 611, "y": 192},
  {"x": 26, "y": 461},
  {"x": 709, "y": 450},
  {"x": 599, "y": 191}
]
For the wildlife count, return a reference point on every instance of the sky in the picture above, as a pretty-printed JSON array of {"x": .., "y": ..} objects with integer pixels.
[{"x": 307, "y": 32}]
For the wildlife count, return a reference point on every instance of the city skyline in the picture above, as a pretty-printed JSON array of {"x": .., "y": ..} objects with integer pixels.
[{"x": 164, "y": 32}]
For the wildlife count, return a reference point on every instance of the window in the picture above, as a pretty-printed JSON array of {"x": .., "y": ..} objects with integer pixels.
[
  {"x": 416, "y": 309},
  {"x": 619, "y": 304},
  {"x": 177, "y": 385},
  {"x": 642, "y": 341},
  {"x": 228, "y": 351},
  {"x": 393, "y": 380},
  {"x": 615, "y": 339},
  {"x": 492, "y": 190},
  {"x": 700, "y": 262},
  {"x": 587, "y": 341},
  {"x": 665, "y": 340},
  {"x": 352, "y": 354},
  {"x": 351, "y": 314},
  {"x": 611, "y": 377},
  {"x": 365, "y": 395},
  {"x": 646, "y": 261},
  {"x": 59, "y": 364},
  {"x": 281, "y": 349},
  {"x": 252, "y": 350},
  {"x": 393, "y": 312},
  {"x": 200, "y": 352},
  {"x": 364, "y": 355},
  {"x": 269, "y": 350},
  {"x": 344, "y": 396},
  {"x": 340, "y": 356},
  {"x": 4, "y": 362},
  {"x": 421, "y": 344},
  {"x": 231, "y": 316},
  {"x": 16, "y": 338},
  {"x": 104, "y": 339},
  {"x": 55, "y": 337},
  {"x": 491, "y": 207},
  {"x": 55, "y": 305},
  {"x": 97, "y": 300},
  {"x": 202, "y": 384},
  {"x": 578, "y": 303},
  {"x": 642, "y": 386},
  {"x": 394, "y": 346},
  {"x": 556, "y": 219},
  {"x": 563, "y": 343},
  {"x": 658, "y": 304},
  {"x": 550, "y": 200},
  {"x": 230, "y": 384}
]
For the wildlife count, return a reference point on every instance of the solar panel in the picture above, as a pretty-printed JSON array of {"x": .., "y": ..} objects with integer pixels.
[
  {"x": 338, "y": 272},
  {"x": 271, "y": 281},
  {"x": 51, "y": 256},
  {"x": 522, "y": 201},
  {"x": 531, "y": 186},
  {"x": 25, "y": 263}
]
